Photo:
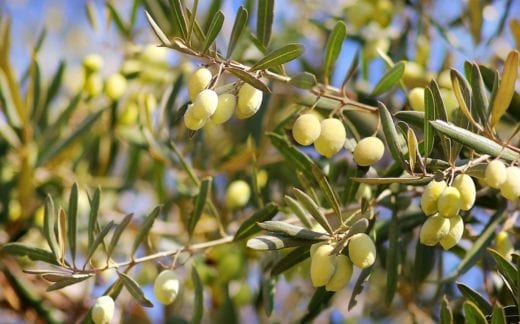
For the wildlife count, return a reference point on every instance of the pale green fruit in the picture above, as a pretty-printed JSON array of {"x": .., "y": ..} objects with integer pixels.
[
  {"x": 454, "y": 234},
  {"x": 322, "y": 265},
  {"x": 225, "y": 108},
  {"x": 332, "y": 137},
  {"x": 205, "y": 104},
  {"x": 450, "y": 102},
  {"x": 373, "y": 47},
  {"x": 191, "y": 122},
  {"x": 444, "y": 79},
  {"x": 249, "y": 101},
  {"x": 510, "y": 189},
  {"x": 449, "y": 202},
  {"x": 198, "y": 81},
  {"x": 237, "y": 194},
  {"x": 155, "y": 56},
  {"x": 359, "y": 13},
  {"x": 364, "y": 191},
  {"x": 315, "y": 246},
  {"x": 368, "y": 151},
  {"x": 434, "y": 229},
  {"x": 115, "y": 86},
  {"x": 341, "y": 275},
  {"x": 495, "y": 174},
  {"x": 503, "y": 245},
  {"x": 416, "y": 98},
  {"x": 103, "y": 310},
  {"x": 466, "y": 187},
  {"x": 93, "y": 85},
  {"x": 362, "y": 250},
  {"x": 414, "y": 74},
  {"x": 166, "y": 287},
  {"x": 306, "y": 129},
  {"x": 93, "y": 62},
  {"x": 431, "y": 195}
]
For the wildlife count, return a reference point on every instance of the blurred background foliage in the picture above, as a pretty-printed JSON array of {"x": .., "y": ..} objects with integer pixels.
[{"x": 61, "y": 124}]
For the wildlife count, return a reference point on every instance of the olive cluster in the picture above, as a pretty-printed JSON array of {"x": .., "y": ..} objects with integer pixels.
[
  {"x": 506, "y": 179},
  {"x": 334, "y": 271},
  {"x": 206, "y": 104},
  {"x": 442, "y": 204}
]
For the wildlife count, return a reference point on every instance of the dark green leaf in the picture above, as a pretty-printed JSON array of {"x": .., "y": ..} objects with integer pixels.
[
  {"x": 429, "y": 115},
  {"x": 392, "y": 259},
  {"x": 299, "y": 211},
  {"x": 293, "y": 258},
  {"x": 249, "y": 226},
  {"x": 389, "y": 79},
  {"x": 92, "y": 219},
  {"x": 264, "y": 21},
  {"x": 133, "y": 288},
  {"x": 389, "y": 180},
  {"x": 35, "y": 254},
  {"x": 67, "y": 282},
  {"x": 120, "y": 24},
  {"x": 268, "y": 289},
  {"x": 507, "y": 270},
  {"x": 145, "y": 228},
  {"x": 446, "y": 313},
  {"x": 157, "y": 30},
  {"x": 315, "y": 211},
  {"x": 326, "y": 188},
  {"x": 99, "y": 239},
  {"x": 214, "y": 29},
  {"x": 479, "y": 143},
  {"x": 424, "y": 261},
  {"x": 472, "y": 314},
  {"x": 71, "y": 222},
  {"x": 358, "y": 287},
  {"x": 318, "y": 302},
  {"x": 249, "y": 78},
  {"x": 391, "y": 136},
  {"x": 117, "y": 234},
  {"x": 304, "y": 80},
  {"x": 200, "y": 202},
  {"x": 198, "y": 303},
  {"x": 333, "y": 49},
  {"x": 483, "y": 305},
  {"x": 49, "y": 223},
  {"x": 279, "y": 56},
  {"x": 275, "y": 242},
  {"x": 196, "y": 27},
  {"x": 179, "y": 19},
  {"x": 293, "y": 230},
  {"x": 498, "y": 316},
  {"x": 238, "y": 28},
  {"x": 295, "y": 157},
  {"x": 479, "y": 98}
]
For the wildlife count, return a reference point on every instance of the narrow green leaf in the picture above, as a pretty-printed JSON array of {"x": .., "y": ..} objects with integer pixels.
[
  {"x": 293, "y": 230},
  {"x": 390, "y": 79},
  {"x": 198, "y": 303},
  {"x": 413, "y": 148},
  {"x": 8, "y": 102},
  {"x": 482, "y": 304},
  {"x": 133, "y": 288},
  {"x": 506, "y": 89},
  {"x": 304, "y": 80},
  {"x": 62, "y": 234},
  {"x": 475, "y": 20},
  {"x": 358, "y": 287},
  {"x": 472, "y": 314},
  {"x": 298, "y": 210},
  {"x": 117, "y": 234},
  {"x": 54, "y": 87},
  {"x": 67, "y": 282},
  {"x": 35, "y": 85},
  {"x": 295, "y": 157},
  {"x": 250, "y": 226},
  {"x": 35, "y": 254},
  {"x": 97, "y": 241},
  {"x": 249, "y": 78},
  {"x": 214, "y": 29},
  {"x": 145, "y": 228},
  {"x": 391, "y": 136},
  {"x": 9, "y": 134},
  {"x": 200, "y": 202},
  {"x": 318, "y": 302},
  {"x": 392, "y": 259},
  {"x": 201, "y": 37},
  {"x": 479, "y": 98},
  {"x": 268, "y": 289},
  {"x": 264, "y": 21},
  {"x": 293, "y": 258},
  {"x": 179, "y": 19},
  {"x": 237, "y": 31},
  {"x": 59, "y": 276},
  {"x": 446, "y": 313},
  {"x": 192, "y": 18},
  {"x": 477, "y": 142},
  {"x": 275, "y": 242},
  {"x": 71, "y": 222},
  {"x": 120, "y": 24},
  {"x": 462, "y": 92},
  {"x": 157, "y": 30},
  {"x": 92, "y": 219},
  {"x": 313, "y": 209},
  {"x": 333, "y": 49},
  {"x": 424, "y": 261},
  {"x": 279, "y": 56},
  {"x": 326, "y": 188},
  {"x": 440, "y": 114},
  {"x": 429, "y": 115},
  {"x": 506, "y": 269},
  {"x": 498, "y": 316},
  {"x": 49, "y": 223}
]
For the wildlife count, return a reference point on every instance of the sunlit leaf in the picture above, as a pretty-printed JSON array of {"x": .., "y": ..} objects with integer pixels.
[
  {"x": 390, "y": 79},
  {"x": 264, "y": 21},
  {"x": 446, "y": 313},
  {"x": 179, "y": 18},
  {"x": 133, "y": 288},
  {"x": 214, "y": 29},
  {"x": 483, "y": 305},
  {"x": 333, "y": 48},
  {"x": 145, "y": 228},
  {"x": 276, "y": 242},
  {"x": 250, "y": 227},
  {"x": 237, "y": 31},
  {"x": 293, "y": 230},
  {"x": 157, "y": 30},
  {"x": 249, "y": 78},
  {"x": 279, "y": 56},
  {"x": 98, "y": 241},
  {"x": 391, "y": 136},
  {"x": 506, "y": 88},
  {"x": 473, "y": 314},
  {"x": 67, "y": 282},
  {"x": 117, "y": 234},
  {"x": 200, "y": 202},
  {"x": 304, "y": 80},
  {"x": 298, "y": 210},
  {"x": 310, "y": 205},
  {"x": 35, "y": 254}
]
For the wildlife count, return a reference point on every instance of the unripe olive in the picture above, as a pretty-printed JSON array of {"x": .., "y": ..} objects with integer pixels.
[
  {"x": 444, "y": 79},
  {"x": 414, "y": 74},
  {"x": 434, "y": 229},
  {"x": 362, "y": 250},
  {"x": 322, "y": 265},
  {"x": 503, "y": 245},
  {"x": 166, "y": 287},
  {"x": 93, "y": 85},
  {"x": 115, "y": 86},
  {"x": 510, "y": 189},
  {"x": 249, "y": 101},
  {"x": 431, "y": 195},
  {"x": 449, "y": 202},
  {"x": 454, "y": 234},
  {"x": 416, "y": 98},
  {"x": 464, "y": 183},
  {"x": 93, "y": 62},
  {"x": 225, "y": 108},
  {"x": 332, "y": 137},
  {"x": 368, "y": 151},
  {"x": 342, "y": 275},
  {"x": 495, "y": 174},
  {"x": 191, "y": 122},
  {"x": 205, "y": 104},
  {"x": 198, "y": 81},
  {"x": 306, "y": 129},
  {"x": 237, "y": 194},
  {"x": 364, "y": 191},
  {"x": 103, "y": 310}
]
